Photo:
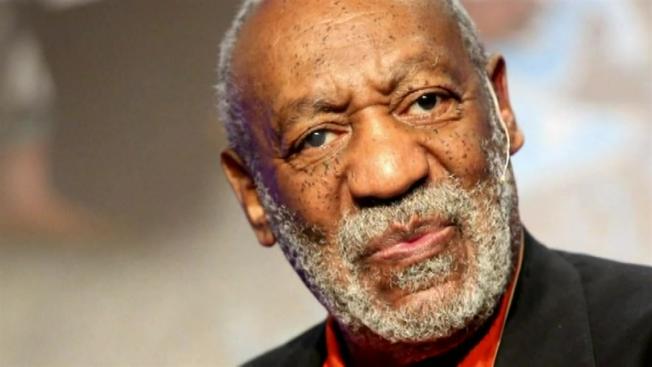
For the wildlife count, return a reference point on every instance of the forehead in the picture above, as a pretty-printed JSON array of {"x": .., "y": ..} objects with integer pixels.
[{"x": 297, "y": 47}]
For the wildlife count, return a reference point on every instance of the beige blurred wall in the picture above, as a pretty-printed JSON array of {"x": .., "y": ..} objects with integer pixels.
[{"x": 135, "y": 139}]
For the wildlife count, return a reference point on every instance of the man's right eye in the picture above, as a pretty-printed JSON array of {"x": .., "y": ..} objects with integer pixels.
[{"x": 317, "y": 139}]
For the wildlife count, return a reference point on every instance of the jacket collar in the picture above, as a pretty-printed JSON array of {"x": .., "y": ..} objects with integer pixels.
[{"x": 548, "y": 322}]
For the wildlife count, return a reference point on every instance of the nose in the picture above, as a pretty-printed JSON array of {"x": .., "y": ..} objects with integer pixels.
[{"x": 386, "y": 160}]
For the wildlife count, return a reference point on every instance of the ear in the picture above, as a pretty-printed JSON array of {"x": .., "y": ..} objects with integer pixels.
[
  {"x": 244, "y": 188},
  {"x": 497, "y": 72}
]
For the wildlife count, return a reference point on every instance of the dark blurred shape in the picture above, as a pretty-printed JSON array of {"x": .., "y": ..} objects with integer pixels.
[
  {"x": 136, "y": 135},
  {"x": 29, "y": 204}
]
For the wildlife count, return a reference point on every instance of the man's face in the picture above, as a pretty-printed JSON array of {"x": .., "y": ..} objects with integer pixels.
[{"x": 377, "y": 163}]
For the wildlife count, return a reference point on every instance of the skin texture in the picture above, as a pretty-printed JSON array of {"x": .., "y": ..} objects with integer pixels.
[{"x": 354, "y": 71}]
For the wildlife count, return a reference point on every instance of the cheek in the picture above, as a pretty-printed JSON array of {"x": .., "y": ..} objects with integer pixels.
[
  {"x": 467, "y": 158},
  {"x": 459, "y": 149},
  {"x": 312, "y": 192}
]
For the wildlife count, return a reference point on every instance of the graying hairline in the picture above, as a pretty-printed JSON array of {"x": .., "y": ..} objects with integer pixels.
[{"x": 239, "y": 137}]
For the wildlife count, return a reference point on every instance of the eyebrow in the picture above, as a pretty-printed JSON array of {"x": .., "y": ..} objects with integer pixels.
[
  {"x": 409, "y": 66},
  {"x": 311, "y": 106}
]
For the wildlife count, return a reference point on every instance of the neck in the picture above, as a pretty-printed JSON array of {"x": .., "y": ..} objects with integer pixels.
[{"x": 364, "y": 348}]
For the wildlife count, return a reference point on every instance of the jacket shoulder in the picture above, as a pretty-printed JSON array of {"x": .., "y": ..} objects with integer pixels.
[
  {"x": 306, "y": 349},
  {"x": 619, "y": 303},
  {"x": 608, "y": 282}
]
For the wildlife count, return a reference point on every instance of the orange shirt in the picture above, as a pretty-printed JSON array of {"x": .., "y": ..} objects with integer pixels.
[{"x": 483, "y": 354}]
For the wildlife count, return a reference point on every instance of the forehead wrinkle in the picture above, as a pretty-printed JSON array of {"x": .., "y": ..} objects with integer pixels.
[
  {"x": 325, "y": 20},
  {"x": 350, "y": 17},
  {"x": 308, "y": 106},
  {"x": 411, "y": 66}
]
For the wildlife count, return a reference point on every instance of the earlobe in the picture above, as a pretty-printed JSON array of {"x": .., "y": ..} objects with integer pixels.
[
  {"x": 244, "y": 188},
  {"x": 497, "y": 72}
]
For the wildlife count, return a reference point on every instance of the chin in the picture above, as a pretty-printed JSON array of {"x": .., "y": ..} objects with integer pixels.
[
  {"x": 427, "y": 295},
  {"x": 431, "y": 280},
  {"x": 437, "y": 307}
]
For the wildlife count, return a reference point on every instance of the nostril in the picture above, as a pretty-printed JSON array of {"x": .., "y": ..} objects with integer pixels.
[{"x": 372, "y": 201}]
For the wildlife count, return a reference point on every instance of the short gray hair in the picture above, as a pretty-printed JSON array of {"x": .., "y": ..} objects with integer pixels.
[{"x": 228, "y": 106}]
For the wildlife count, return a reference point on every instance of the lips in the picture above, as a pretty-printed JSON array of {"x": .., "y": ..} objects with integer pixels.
[{"x": 410, "y": 243}]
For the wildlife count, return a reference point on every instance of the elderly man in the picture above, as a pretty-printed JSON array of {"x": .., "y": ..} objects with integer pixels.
[{"x": 371, "y": 140}]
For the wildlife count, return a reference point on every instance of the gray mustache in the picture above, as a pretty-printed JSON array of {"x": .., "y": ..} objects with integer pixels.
[{"x": 446, "y": 200}]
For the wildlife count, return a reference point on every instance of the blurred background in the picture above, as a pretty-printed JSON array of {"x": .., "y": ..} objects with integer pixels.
[{"x": 120, "y": 241}]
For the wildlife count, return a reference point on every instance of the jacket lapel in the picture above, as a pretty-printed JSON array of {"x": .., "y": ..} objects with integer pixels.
[
  {"x": 309, "y": 350},
  {"x": 548, "y": 321}
]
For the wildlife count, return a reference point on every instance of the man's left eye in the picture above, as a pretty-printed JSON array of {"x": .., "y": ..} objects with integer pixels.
[{"x": 424, "y": 104}]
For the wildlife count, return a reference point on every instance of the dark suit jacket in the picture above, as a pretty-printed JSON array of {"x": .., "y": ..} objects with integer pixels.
[{"x": 568, "y": 310}]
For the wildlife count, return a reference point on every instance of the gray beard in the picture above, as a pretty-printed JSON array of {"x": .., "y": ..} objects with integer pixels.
[{"x": 484, "y": 227}]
